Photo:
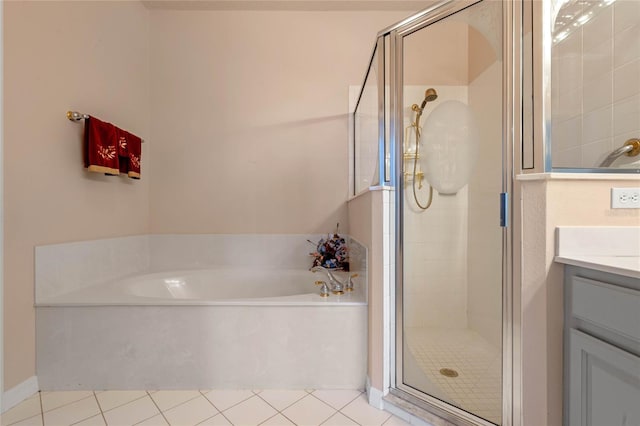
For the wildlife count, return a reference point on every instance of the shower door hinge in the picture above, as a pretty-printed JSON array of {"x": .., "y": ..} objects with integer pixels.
[{"x": 504, "y": 209}]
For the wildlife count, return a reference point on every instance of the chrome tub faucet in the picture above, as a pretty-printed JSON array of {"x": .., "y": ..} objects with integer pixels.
[{"x": 335, "y": 285}]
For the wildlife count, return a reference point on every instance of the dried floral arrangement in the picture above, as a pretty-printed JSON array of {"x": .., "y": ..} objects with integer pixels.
[{"x": 331, "y": 252}]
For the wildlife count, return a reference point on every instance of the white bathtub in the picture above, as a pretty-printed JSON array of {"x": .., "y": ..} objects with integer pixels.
[
  {"x": 221, "y": 284},
  {"x": 212, "y": 286},
  {"x": 203, "y": 329}
]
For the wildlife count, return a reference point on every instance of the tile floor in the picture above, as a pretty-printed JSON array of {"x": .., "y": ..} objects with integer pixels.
[
  {"x": 189, "y": 408},
  {"x": 478, "y": 387}
]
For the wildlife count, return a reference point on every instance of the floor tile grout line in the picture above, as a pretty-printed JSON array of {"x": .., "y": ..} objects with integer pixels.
[
  {"x": 276, "y": 414},
  {"x": 338, "y": 409},
  {"x": 230, "y": 407},
  {"x": 279, "y": 411},
  {"x": 288, "y": 418},
  {"x": 86, "y": 418},
  {"x": 100, "y": 407},
  {"x": 63, "y": 405},
  {"x": 161, "y": 412},
  {"x": 27, "y": 418},
  {"x": 176, "y": 406},
  {"x": 339, "y": 412},
  {"x": 41, "y": 408},
  {"x": 214, "y": 406},
  {"x": 350, "y": 418},
  {"x": 313, "y": 396},
  {"x": 121, "y": 405},
  {"x": 219, "y": 413},
  {"x": 210, "y": 402}
]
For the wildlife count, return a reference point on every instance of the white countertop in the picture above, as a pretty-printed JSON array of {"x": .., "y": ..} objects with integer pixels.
[
  {"x": 628, "y": 266},
  {"x": 613, "y": 249}
]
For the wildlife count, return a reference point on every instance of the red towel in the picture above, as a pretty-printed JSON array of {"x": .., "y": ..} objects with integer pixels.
[
  {"x": 123, "y": 150},
  {"x": 101, "y": 147},
  {"x": 129, "y": 151}
]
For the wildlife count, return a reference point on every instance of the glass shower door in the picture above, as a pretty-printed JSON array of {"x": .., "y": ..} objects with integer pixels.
[{"x": 450, "y": 259}]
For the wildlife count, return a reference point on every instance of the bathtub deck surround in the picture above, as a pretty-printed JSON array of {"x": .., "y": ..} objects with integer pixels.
[
  {"x": 203, "y": 347},
  {"x": 63, "y": 268},
  {"x": 227, "y": 314}
]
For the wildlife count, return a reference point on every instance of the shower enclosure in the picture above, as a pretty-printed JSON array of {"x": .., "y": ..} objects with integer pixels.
[{"x": 434, "y": 122}]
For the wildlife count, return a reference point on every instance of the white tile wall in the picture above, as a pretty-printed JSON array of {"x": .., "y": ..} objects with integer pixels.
[
  {"x": 435, "y": 245},
  {"x": 626, "y": 80},
  {"x": 276, "y": 251},
  {"x": 596, "y": 81},
  {"x": 627, "y": 115},
  {"x": 60, "y": 268},
  {"x": 626, "y": 14}
]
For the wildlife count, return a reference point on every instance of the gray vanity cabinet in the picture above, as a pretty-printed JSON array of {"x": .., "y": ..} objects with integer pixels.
[{"x": 602, "y": 349}]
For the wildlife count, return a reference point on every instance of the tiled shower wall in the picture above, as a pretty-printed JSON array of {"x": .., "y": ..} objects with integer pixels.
[
  {"x": 435, "y": 240},
  {"x": 595, "y": 85}
]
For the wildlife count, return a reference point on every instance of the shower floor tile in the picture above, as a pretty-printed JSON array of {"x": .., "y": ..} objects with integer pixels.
[
  {"x": 478, "y": 386},
  {"x": 197, "y": 407}
]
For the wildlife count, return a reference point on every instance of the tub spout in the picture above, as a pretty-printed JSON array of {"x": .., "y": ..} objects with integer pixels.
[{"x": 337, "y": 286}]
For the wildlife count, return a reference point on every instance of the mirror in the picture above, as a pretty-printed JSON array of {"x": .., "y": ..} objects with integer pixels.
[{"x": 595, "y": 85}]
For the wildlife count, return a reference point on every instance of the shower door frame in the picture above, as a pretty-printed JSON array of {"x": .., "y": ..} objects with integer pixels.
[{"x": 511, "y": 147}]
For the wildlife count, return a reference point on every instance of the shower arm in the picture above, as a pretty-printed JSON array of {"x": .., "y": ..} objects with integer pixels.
[{"x": 631, "y": 148}]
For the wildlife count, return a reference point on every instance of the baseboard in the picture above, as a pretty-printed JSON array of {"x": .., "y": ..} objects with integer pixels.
[
  {"x": 19, "y": 393},
  {"x": 375, "y": 396}
]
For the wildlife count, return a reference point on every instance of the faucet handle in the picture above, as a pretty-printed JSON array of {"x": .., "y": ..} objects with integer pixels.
[
  {"x": 324, "y": 290},
  {"x": 349, "y": 286}
]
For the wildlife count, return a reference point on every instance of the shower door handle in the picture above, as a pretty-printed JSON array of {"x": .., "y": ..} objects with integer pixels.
[{"x": 504, "y": 209}]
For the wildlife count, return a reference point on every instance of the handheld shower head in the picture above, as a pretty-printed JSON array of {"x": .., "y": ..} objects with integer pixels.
[{"x": 430, "y": 95}]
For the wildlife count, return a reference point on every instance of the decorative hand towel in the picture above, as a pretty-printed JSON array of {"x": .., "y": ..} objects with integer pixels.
[
  {"x": 100, "y": 147},
  {"x": 123, "y": 150},
  {"x": 133, "y": 154}
]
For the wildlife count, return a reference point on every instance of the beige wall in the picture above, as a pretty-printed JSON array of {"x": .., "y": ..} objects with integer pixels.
[
  {"x": 250, "y": 118},
  {"x": 429, "y": 60},
  {"x": 366, "y": 218},
  {"x": 548, "y": 204},
  {"x": 245, "y": 115},
  {"x": 88, "y": 56}
]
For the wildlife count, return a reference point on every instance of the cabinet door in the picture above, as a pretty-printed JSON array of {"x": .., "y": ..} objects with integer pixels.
[{"x": 604, "y": 384}]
